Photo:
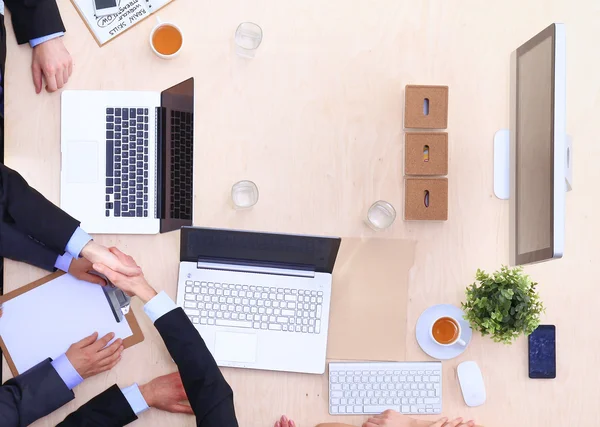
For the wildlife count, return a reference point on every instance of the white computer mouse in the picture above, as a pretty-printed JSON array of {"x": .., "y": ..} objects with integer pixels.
[{"x": 471, "y": 383}]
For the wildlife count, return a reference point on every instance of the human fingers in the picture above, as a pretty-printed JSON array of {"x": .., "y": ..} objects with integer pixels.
[
  {"x": 109, "y": 350},
  {"x": 454, "y": 423},
  {"x": 50, "y": 77},
  {"x": 102, "y": 342},
  {"x": 36, "y": 72},
  {"x": 87, "y": 340},
  {"x": 181, "y": 408},
  {"x": 469, "y": 423},
  {"x": 112, "y": 275},
  {"x": 92, "y": 278},
  {"x": 112, "y": 358},
  {"x": 376, "y": 421},
  {"x": 440, "y": 423}
]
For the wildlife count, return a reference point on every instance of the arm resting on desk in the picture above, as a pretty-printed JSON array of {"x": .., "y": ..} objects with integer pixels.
[
  {"x": 34, "y": 18},
  {"x": 32, "y": 214},
  {"x": 109, "y": 408},
  {"x": 32, "y": 395},
  {"x": 209, "y": 394}
]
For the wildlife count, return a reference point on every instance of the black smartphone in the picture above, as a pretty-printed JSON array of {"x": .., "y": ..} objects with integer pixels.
[{"x": 542, "y": 352}]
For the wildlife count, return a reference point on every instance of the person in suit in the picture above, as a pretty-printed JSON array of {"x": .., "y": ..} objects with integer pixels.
[
  {"x": 34, "y": 230},
  {"x": 389, "y": 418},
  {"x": 199, "y": 377},
  {"x": 48, "y": 385},
  {"x": 38, "y": 23}
]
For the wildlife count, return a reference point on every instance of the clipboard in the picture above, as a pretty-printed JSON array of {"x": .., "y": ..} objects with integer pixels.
[{"x": 136, "y": 337}]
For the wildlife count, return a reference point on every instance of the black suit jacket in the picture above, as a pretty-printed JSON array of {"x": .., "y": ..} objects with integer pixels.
[
  {"x": 32, "y": 229},
  {"x": 34, "y": 18},
  {"x": 209, "y": 394},
  {"x": 32, "y": 395}
]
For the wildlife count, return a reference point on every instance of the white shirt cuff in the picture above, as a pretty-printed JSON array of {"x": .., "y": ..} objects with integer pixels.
[
  {"x": 77, "y": 241},
  {"x": 135, "y": 399},
  {"x": 63, "y": 262},
  {"x": 65, "y": 370},
  {"x": 158, "y": 306}
]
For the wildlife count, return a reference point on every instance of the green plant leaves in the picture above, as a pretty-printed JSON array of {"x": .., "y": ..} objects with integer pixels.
[{"x": 504, "y": 304}]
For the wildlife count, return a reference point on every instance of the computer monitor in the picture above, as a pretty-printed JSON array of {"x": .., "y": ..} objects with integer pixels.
[{"x": 538, "y": 148}]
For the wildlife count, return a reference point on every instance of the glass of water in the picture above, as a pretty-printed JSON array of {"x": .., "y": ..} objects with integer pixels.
[
  {"x": 381, "y": 215},
  {"x": 247, "y": 39},
  {"x": 244, "y": 194}
]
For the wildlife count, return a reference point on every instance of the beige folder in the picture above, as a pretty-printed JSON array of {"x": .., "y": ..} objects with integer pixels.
[{"x": 369, "y": 300}]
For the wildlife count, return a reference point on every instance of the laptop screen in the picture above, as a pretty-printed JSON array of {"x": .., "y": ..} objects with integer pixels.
[
  {"x": 256, "y": 248},
  {"x": 176, "y": 156}
]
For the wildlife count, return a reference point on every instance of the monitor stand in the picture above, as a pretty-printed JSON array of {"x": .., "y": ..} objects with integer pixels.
[{"x": 502, "y": 164}]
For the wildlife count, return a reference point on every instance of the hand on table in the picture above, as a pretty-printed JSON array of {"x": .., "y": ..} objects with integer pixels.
[
  {"x": 285, "y": 422},
  {"x": 132, "y": 285},
  {"x": 394, "y": 419},
  {"x": 52, "y": 61},
  {"x": 444, "y": 422},
  {"x": 90, "y": 357},
  {"x": 80, "y": 269},
  {"x": 98, "y": 254},
  {"x": 167, "y": 393}
]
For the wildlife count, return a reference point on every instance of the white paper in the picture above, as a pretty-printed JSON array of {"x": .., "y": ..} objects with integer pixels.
[
  {"x": 45, "y": 321},
  {"x": 109, "y": 26}
]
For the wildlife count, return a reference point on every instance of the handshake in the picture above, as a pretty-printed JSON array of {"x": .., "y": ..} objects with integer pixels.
[
  {"x": 119, "y": 268},
  {"x": 91, "y": 355}
]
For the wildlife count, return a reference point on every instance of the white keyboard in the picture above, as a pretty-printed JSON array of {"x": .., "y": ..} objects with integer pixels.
[
  {"x": 374, "y": 387},
  {"x": 253, "y": 307}
]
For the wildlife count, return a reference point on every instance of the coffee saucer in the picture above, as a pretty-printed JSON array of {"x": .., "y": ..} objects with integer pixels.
[{"x": 428, "y": 345}]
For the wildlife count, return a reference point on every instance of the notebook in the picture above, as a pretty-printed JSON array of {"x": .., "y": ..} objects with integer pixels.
[
  {"x": 44, "y": 318},
  {"x": 106, "y": 28}
]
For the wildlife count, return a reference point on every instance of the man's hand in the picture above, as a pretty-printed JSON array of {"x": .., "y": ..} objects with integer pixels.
[
  {"x": 53, "y": 61},
  {"x": 98, "y": 254},
  {"x": 90, "y": 357},
  {"x": 166, "y": 393},
  {"x": 80, "y": 269},
  {"x": 444, "y": 422},
  {"x": 285, "y": 422},
  {"x": 132, "y": 285}
]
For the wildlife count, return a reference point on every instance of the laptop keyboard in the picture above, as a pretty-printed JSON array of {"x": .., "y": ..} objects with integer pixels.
[
  {"x": 254, "y": 307},
  {"x": 127, "y": 162},
  {"x": 182, "y": 155}
]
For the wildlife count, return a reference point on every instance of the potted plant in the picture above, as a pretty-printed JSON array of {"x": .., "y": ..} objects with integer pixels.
[{"x": 504, "y": 304}]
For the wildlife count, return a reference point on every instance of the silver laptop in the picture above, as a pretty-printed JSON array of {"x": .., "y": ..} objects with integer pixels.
[
  {"x": 259, "y": 300},
  {"x": 127, "y": 159}
]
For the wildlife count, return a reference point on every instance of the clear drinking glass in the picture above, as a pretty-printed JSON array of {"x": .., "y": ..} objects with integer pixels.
[
  {"x": 247, "y": 39},
  {"x": 381, "y": 215},
  {"x": 244, "y": 194}
]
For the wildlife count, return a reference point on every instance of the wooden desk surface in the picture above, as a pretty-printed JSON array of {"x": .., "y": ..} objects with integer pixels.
[{"x": 316, "y": 121}]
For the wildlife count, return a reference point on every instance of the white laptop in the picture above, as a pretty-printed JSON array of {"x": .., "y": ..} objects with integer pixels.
[
  {"x": 259, "y": 300},
  {"x": 127, "y": 159}
]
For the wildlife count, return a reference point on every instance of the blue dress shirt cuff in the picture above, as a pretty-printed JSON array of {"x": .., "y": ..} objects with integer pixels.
[
  {"x": 66, "y": 371},
  {"x": 135, "y": 399},
  {"x": 77, "y": 241},
  {"x": 63, "y": 262},
  {"x": 158, "y": 306},
  {"x": 40, "y": 40}
]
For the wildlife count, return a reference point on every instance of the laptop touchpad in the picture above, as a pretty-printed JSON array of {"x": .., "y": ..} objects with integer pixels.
[
  {"x": 82, "y": 162},
  {"x": 235, "y": 347}
]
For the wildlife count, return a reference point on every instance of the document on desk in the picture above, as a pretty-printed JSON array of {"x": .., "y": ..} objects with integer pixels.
[
  {"x": 44, "y": 321},
  {"x": 106, "y": 28},
  {"x": 369, "y": 300}
]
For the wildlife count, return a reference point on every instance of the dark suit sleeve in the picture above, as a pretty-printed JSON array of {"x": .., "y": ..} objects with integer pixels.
[
  {"x": 108, "y": 409},
  {"x": 34, "y": 18},
  {"x": 209, "y": 394},
  {"x": 32, "y": 214},
  {"x": 20, "y": 247},
  {"x": 32, "y": 395}
]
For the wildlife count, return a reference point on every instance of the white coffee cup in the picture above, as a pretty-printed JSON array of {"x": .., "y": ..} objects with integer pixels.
[
  {"x": 458, "y": 340},
  {"x": 161, "y": 24}
]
